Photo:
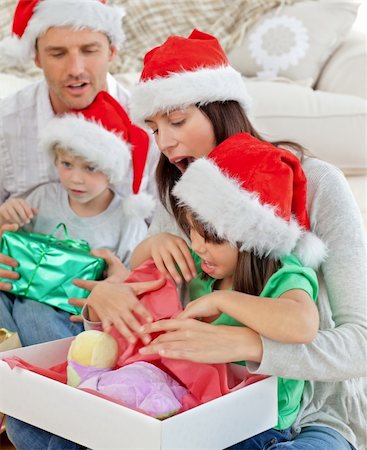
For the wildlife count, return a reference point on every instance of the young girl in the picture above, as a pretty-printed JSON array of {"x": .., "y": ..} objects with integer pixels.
[
  {"x": 92, "y": 154},
  {"x": 221, "y": 199}
]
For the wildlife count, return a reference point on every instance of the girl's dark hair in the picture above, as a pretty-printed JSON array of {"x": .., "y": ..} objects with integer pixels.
[
  {"x": 227, "y": 118},
  {"x": 252, "y": 272}
]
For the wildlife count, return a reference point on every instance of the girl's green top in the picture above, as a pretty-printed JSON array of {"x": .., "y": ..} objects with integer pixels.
[{"x": 292, "y": 275}]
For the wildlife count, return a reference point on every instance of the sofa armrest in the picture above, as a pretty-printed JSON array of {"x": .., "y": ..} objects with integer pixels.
[{"x": 345, "y": 72}]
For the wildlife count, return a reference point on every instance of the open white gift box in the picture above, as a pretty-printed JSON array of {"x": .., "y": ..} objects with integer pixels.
[{"x": 101, "y": 424}]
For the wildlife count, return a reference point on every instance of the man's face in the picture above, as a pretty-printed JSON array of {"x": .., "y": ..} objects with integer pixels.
[{"x": 75, "y": 65}]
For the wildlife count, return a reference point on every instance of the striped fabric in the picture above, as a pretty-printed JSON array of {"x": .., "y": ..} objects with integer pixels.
[{"x": 149, "y": 22}]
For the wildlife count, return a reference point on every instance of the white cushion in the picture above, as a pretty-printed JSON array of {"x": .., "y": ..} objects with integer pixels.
[
  {"x": 346, "y": 70},
  {"x": 331, "y": 126},
  {"x": 294, "y": 41}
]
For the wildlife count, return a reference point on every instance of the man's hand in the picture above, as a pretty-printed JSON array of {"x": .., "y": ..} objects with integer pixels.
[
  {"x": 16, "y": 211},
  {"x": 7, "y": 261}
]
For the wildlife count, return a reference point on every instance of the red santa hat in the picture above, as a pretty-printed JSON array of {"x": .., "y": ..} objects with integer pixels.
[
  {"x": 186, "y": 71},
  {"x": 103, "y": 135},
  {"x": 32, "y": 18},
  {"x": 252, "y": 193}
]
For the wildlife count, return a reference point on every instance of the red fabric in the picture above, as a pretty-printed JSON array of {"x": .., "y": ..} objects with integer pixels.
[
  {"x": 57, "y": 373},
  {"x": 273, "y": 173},
  {"x": 205, "y": 382},
  {"x": 139, "y": 147},
  {"x": 22, "y": 15},
  {"x": 178, "y": 54},
  {"x": 107, "y": 112}
]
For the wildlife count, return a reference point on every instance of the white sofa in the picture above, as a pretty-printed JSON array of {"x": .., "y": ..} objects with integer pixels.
[{"x": 328, "y": 115}]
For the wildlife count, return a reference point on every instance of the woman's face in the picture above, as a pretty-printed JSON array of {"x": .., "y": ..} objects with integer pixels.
[{"x": 183, "y": 135}]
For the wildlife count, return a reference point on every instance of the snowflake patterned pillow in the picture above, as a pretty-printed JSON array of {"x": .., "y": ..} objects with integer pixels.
[{"x": 294, "y": 41}]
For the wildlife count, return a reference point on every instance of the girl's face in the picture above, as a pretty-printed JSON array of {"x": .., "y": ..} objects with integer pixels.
[
  {"x": 183, "y": 135},
  {"x": 79, "y": 178},
  {"x": 217, "y": 260}
]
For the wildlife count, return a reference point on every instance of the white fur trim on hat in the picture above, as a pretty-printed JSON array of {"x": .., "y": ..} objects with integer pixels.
[
  {"x": 310, "y": 250},
  {"x": 13, "y": 52},
  {"x": 242, "y": 218},
  {"x": 182, "y": 89},
  {"x": 105, "y": 149},
  {"x": 78, "y": 14},
  {"x": 140, "y": 205}
]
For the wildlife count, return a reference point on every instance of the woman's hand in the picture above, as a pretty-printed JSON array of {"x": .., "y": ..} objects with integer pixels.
[
  {"x": 167, "y": 250},
  {"x": 197, "y": 341},
  {"x": 116, "y": 271},
  {"x": 16, "y": 210},
  {"x": 117, "y": 304},
  {"x": 7, "y": 261}
]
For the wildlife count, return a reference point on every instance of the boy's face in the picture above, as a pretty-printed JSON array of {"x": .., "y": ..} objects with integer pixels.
[
  {"x": 75, "y": 64},
  {"x": 217, "y": 260},
  {"x": 79, "y": 178}
]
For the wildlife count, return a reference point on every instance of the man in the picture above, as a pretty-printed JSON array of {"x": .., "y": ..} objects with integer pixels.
[{"x": 72, "y": 41}]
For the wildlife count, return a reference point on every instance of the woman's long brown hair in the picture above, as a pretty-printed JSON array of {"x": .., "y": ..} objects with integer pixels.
[{"x": 227, "y": 118}]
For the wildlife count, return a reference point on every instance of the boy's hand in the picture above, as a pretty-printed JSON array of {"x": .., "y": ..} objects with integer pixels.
[{"x": 16, "y": 210}]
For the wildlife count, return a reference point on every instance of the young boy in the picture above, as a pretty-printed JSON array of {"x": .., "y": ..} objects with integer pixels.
[{"x": 91, "y": 150}]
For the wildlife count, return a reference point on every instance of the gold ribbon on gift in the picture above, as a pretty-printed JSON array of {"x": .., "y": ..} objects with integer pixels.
[{"x": 9, "y": 340}]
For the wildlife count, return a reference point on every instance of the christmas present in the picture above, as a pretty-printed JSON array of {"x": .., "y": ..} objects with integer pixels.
[{"x": 48, "y": 266}]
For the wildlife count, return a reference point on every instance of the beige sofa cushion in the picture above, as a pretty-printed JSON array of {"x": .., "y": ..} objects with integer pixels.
[
  {"x": 346, "y": 70},
  {"x": 294, "y": 41},
  {"x": 331, "y": 126}
]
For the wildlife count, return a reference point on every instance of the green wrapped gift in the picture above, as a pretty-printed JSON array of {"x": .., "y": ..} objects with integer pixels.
[{"x": 48, "y": 266}]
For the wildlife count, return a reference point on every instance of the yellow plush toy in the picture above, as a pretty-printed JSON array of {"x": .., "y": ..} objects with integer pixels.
[{"x": 90, "y": 352}]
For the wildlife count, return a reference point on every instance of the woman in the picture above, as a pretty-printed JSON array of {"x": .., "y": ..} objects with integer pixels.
[{"x": 209, "y": 107}]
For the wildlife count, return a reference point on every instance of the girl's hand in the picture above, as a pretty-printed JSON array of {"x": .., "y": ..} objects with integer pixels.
[
  {"x": 197, "y": 341},
  {"x": 167, "y": 250},
  {"x": 204, "y": 308},
  {"x": 7, "y": 261},
  {"x": 117, "y": 304},
  {"x": 16, "y": 210}
]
